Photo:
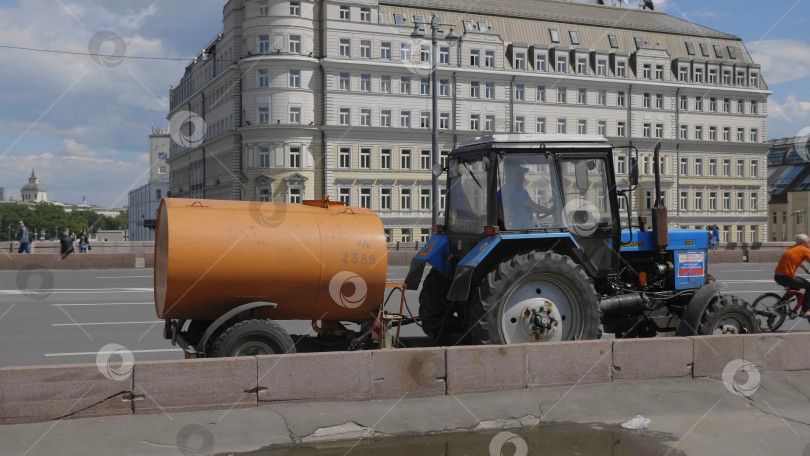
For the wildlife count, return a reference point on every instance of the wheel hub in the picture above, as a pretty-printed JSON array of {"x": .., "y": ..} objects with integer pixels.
[{"x": 541, "y": 320}]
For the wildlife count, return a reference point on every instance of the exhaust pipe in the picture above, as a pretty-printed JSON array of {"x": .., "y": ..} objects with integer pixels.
[{"x": 624, "y": 303}]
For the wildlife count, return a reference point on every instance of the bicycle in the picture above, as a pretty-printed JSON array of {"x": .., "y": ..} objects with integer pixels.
[{"x": 771, "y": 309}]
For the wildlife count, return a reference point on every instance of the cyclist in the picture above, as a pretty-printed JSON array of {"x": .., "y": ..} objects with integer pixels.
[{"x": 791, "y": 260}]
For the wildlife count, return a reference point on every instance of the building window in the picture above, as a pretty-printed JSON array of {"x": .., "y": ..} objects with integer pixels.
[
  {"x": 475, "y": 89},
  {"x": 475, "y": 57},
  {"x": 444, "y": 120},
  {"x": 405, "y": 159},
  {"x": 699, "y": 133},
  {"x": 540, "y": 62},
  {"x": 519, "y": 121},
  {"x": 365, "y": 117},
  {"x": 698, "y": 201},
  {"x": 754, "y": 135},
  {"x": 659, "y": 101},
  {"x": 726, "y": 167},
  {"x": 561, "y": 126},
  {"x": 646, "y": 73},
  {"x": 659, "y": 130},
  {"x": 444, "y": 87},
  {"x": 726, "y": 201},
  {"x": 740, "y": 201},
  {"x": 683, "y": 74},
  {"x": 489, "y": 59},
  {"x": 614, "y": 42},
  {"x": 424, "y": 159},
  {"x": 712, "y": 133},
  {"x": 540, "y": 125},
  {"x": 621, "y": 69},
  {"x": 474, "y": 121},
  {"x": 264, "y": 115},
  {"x": 698, "y": 103},
  {"x": 345, "y": 47},
  {"x": 519, "y": 92},
  {"x": 405, "y": 119},
  {"x": 699, "y": 75},
  {"x": 645, "y": 103},
  {"x": 264, "y": 10},
  {"x": 698, "y": 167},
  {"x": 295, "y": 79},
  {"x": 601, "y": 67},
  {"x": 365, "y": 14},
  {"x": 424, "y": 53},
  {"x": 683, "y": 167},
  {"x": 621, "y": 164},
  {"x": 620, "y": 98},
  {"x": 365, "y": 158},
  {"x": 404, "y": 202},
  {"x": 385, "y": 118},
  {"x": 727, "y": 77},
  {"x": 582, "y": 96},
  {"x": 753, "y": 202},
  {"x": 601, "y": 97},
  {"x": 621, "y": 130},
  {"x": 345, "y": 12},
  {"x": 489, "y": 122},
  {"x": 365, "y": 83},
  {"x": 294, "y": 196},
  {"x": 727, "y": 105},
  {"x": 489, "y": 90},
  {"x": 345, "y": 196},
  {"x": 345, "y": 157},
  {"x": 264, "y": 79},
  {"x": 646, "y": 130},
  {"x": 385, "y": 50},
  {"x": 713, "y": 104},
  {"x": 365, "y": 49},
  {"x": 405, "y": 85},
  {"x": 405, "y": 52},
  {"x": 520, "y": 61},
  {"x": 659, "y": 72},
  {"x": 344, "y": 81},
  {"x": 295, "y": 8},
  {"x": 601, "y": 127},
  {"x": 444, "y": 55},
  {"x": 365, "y": 198},
  {"x": 582, "y": 126},
  {"x": 683, "y": 201},
  {"x": 399, "y": 19},
  {"x": 562, "y": 64},
  {"x": 712, "y": 167},
  {"x": 424, "y": 119},
  {"x": 424, "y": 200},
  {"x": 295, "y": 44},
  {"x": 555, "y": 36},
  {"x": 561, "y": 95},
  {"x": 740, "y": 168},
  {"x": 344, "y": 116},
  {"x": 582, "y": 65},
  {"x": 574, "y": 36},
  {"x": 385, "y": 199},
  {"x": 712, "y": 201},
  {"x": 683, "y": 132},
  {"x": 264, "y": 44},
  {"x": 385, "y": 158},
  {"x": 264, "y": 158},
  {"x": 726, "y": 134},
  {"x": 753, "y": 107}
]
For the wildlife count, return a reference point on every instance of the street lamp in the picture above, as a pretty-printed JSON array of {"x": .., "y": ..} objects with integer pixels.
[{"x": 436, "y": 27}]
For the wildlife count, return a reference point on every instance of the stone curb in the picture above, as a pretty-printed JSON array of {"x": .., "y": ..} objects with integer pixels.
[{"x": 45, "y": 393}]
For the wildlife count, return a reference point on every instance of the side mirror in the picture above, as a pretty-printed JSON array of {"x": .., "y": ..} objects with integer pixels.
[
  {"x": 437, "y": 169},
  {"x": 581, "y": 174},
  {"x": 633, "y": 171}
]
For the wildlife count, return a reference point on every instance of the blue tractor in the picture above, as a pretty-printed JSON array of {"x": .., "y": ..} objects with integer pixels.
[{"x": 532, "y": 249}]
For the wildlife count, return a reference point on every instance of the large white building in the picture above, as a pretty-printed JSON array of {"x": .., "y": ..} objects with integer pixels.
[
  {"x": 303, "y": 99},
  {"x": 144, "y": 201}
]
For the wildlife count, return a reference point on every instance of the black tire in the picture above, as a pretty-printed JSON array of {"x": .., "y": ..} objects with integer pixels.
[
  {"x": 524, "y": 278},
  {"x": 770, "y": 311},
  {"x": 253, "y": 337},
  {"x": 441, "y": 319},
  {"x": 727, "y": 315}
]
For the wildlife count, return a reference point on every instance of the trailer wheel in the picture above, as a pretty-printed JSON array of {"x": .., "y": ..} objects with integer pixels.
[
  {"x": 727, "y": 315},
  {"x": 434, "y": 306},
  {"x": 535, "y": 297},
  {"x": 253, "y": 337}
]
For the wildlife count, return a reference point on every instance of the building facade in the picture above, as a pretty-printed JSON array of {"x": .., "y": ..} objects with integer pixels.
[
  {"x": 303, "y": 99},
  {"x": 33, "y": 191},
  {"x": 788, "y": 188},
  {"x": 2, "y": 193},
  {"x": 145, "y": 200}
]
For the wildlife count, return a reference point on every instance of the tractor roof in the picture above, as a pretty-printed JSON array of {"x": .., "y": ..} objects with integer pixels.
[{"x": 534, "y": 141}]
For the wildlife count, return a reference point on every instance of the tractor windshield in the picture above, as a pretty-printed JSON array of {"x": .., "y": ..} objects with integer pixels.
[
  {"x": 467, "y": 195},
  {"x": 526, "y": 197}
]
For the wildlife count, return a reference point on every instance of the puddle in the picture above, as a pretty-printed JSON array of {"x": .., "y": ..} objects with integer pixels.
[{"x": 547, "y": 439}]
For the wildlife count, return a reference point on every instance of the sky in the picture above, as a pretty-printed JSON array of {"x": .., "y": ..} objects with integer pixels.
[{"x": 83, "y": 123}]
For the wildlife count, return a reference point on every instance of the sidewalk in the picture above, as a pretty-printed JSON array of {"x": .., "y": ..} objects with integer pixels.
[{"x": 702, "y": 416}]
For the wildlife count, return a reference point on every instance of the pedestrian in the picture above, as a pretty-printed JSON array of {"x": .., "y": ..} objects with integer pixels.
[
  {"x": 716, "y": 237},
  {"x": 24, "y": 239},
  {"x": 84, "y": 241},
  {"x": 66, "y": 244}
]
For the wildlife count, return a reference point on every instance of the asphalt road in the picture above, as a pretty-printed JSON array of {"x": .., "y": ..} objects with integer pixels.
[{"x": 66, "y": 317}]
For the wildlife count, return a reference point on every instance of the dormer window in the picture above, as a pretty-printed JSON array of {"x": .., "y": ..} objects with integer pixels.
[
  {"x": 690, "y": 48},
  {"x": 732, "y": 53},
  {"x": 399, "y": 19},
  {"x": 555, "y": 36},
  {"x": 482, "y": 27},
  {"x": 574, "y": 37},
  {"x": 614, "y": 43},
  {"x": 468, "y": 26},
  {"x": 639, "y": 42},
  {"x": 704, "y": 49},
  {"x": 718, "y": 51}
]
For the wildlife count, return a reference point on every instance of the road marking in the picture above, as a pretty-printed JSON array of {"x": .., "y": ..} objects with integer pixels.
[
  {"x": 125, "y": 277},
  {"x": 106, "y": 304},
  {"x": 747, "y": 281},
  {"x": 80, "y": 291},
  {"x": 109, "y": 323},
  {"x": 159, "y": 350},
  {"x": 742, "y": 270}
]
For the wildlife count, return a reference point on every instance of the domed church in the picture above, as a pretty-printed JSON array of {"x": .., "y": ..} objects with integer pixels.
[{"x": 33, "y": 192}]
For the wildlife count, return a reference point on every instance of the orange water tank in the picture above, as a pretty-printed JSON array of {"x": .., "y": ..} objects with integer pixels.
[{"x": 318, "y": 261}]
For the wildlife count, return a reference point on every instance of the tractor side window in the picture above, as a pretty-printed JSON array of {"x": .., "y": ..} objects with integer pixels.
[
  {"x": 526, "y": 199},
  {"x": 467, "y": 197},
  {"x": 586, "y": 195}
]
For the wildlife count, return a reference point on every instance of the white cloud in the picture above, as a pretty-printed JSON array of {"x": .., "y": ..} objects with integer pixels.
[
  {"x": 703, "y": 13},
  {"x": 789, "y": 118},
  {"x": 781, "y": 60}
]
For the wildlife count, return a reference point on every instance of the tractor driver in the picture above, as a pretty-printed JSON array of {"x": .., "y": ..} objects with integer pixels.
[
  {"x": 518, "y": 206},
  {"x": 791, "y": 260}
]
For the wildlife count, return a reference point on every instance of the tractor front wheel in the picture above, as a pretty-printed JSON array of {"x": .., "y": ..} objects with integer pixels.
[{"x": 535, "y": 297}]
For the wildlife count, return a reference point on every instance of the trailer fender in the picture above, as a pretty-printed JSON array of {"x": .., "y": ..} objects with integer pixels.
[
  {"x": 690, "y": 322},
  {"x": 435, "y": 252},
  {"x": 227, "y": 316}
]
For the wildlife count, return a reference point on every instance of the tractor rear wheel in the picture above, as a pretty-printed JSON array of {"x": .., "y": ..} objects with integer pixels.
[
  {"x": 441, "y": 319},
  {"x": 727, "y": 314},
  {"x": 535, "y": 297},
  {"x": 253, "y": 337}
]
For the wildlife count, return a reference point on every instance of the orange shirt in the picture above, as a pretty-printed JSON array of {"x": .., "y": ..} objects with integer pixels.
[{"x": 791, "y": 259}]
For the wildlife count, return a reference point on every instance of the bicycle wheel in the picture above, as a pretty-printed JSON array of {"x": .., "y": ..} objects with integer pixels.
[{"x": 770, "y": 310}]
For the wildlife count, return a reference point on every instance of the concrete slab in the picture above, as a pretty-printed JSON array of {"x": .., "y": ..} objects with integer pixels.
[
  {"x": 766, "y": 351},
  {"x": 663, "y": 357},
  {"x": 200, "y": 384},
  {"x": 797, "y": 355},
  {"x": 411, "y": 372},
  {"x": 485, "y": 368},
  {"x": 713, "y": 353},
  {"x": 43, "y": 393},
  {"x": 315, "y": 377},
  {"x": 568, "y": 363}
]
